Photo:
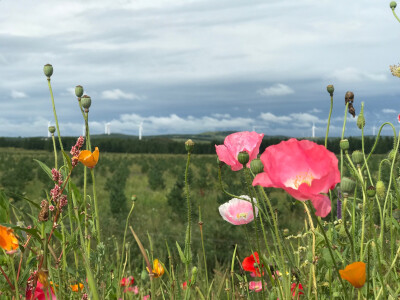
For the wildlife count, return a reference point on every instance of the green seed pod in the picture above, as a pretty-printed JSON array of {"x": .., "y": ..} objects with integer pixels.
[
  {"x": 144, "y": 275},
  {"x": 360, "y": 121},
  {"x": 52, "y": 129},
  {"x": 380, "y": 189},
  {"x": 357, "y": 157},
  {"x": 371, "y": 191},
  {"x": 79, "y": 91},
  {"x": 189, "y": 145},
  {"x": 393, "y": 4},
  {"x": 256, "y": 166},
  {"x": 86, "y": 101},
  {"x": 344, "y": 144},
  {"x": 243, "y": 157},
  {"x": 347, "y": 185},
  {"x": 330, "y": 89},
  {"x": 48, "y": 70}
]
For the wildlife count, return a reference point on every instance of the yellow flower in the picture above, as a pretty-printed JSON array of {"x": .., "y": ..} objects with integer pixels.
[
  {"x": 395, "y": 69},
  {"x": 158, "y": 269},
  {"x": 8, "y": 241},
  {"x": 76, "y": 287},
  {"x": 88, "y": 158},
  {"x": 354, "y": 273}
]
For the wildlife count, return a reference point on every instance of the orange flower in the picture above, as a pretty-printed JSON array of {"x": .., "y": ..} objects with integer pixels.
[
  {"x": 88, "y": 158},
  {"x": 76, "y": 287},
  {"x": 8, "y": 241},
  {"x": 355, "y": 274},
  {"x": 158, "y": 269}
]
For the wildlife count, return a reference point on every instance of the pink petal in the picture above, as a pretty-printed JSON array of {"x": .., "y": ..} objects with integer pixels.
[{"x": 237, "y": 211}]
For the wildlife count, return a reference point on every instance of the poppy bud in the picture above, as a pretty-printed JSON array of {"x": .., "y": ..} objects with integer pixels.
[
  {"x": 357, "y": 157},
  {"x": 256, "y": 166},
  {"x": 189, "y": 145},
  {"x": 393, "y": 5},
  {"x": 243, "y": 157},
  {"x": 48, "y": 70},
  {"x": 52, "y": 129},
  {"x": 371, "y": 191},
  {"x": 392, "y": 155},
  {"x": 347, "y": 185},
  {"x": 194, "y": 276},
  {"x": 79, "y": 91},
  {"x": 86, "y": 101},
  {"x": 330, "y": 89},
  {"x": 344, "y": 144},
  {"x": 144, "y": 275},
  {"x": 133, "y": 198},
  {"x": 360, "y": 121},
  {"x": 380, "y": 189}
]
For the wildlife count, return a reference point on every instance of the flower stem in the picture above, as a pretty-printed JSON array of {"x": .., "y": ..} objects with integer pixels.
[{"x": 329, "y": 122}]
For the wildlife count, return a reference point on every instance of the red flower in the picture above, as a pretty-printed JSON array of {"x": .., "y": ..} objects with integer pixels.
[
  {"x": 303, "y": 169},
  {"x": 296, "y": 289},
  {"x": 40, "y": 291},
  {"x": 248, "y": 264},
  {"x": 127, "y": 281}
]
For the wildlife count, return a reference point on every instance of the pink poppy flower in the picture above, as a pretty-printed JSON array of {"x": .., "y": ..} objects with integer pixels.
[
  {"x": 237, "y": 211},
  {"x": 41, "y": 293},
  {"x": 238, "y": 142},
  {"x": 146, "y": 297},
  {"x": 255, "y": 286},
  {"x": 132, "y": 289},
  {"x": 304, "y": 169},
  {"x": 398, "y": 118}
]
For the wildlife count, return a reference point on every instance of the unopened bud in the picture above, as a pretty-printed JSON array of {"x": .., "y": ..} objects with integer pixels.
[
  {"x": 86, "y": 101},
  {"x": 360, "y": 121},
  {"x": 243, "y": 157},
  {"x": 52, "y": 129},
  {"x": 189, "y": 145},
  {"x": 357, "y": 157},
  {"x": 393, "y": 5},
  {"x": 392, "y": 155},
  {"x": 330, "y": 89},
  {"x": 344, "y": 144},
  {"x": 194, "y": 276},
  {"x": 48, "y": 70},
  {"x": 256, "y": 166},
  {"x": 347, "y": 185},
  {"x": 79, "y": 91},
  {"x": 371, "y": 191},
  {"x": 380, "y": 189}
]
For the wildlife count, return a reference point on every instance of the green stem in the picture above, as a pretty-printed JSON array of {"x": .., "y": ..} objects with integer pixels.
[
  {"x": 329, "y": 122},
  {"x": 55, "y": 151},
  {"x": 96, "y": 208},
  {"x": 395, "y": 15},
  {"x": 55, "y": 114},
  {"x": 202, "y": 245},
  {"x": 189, "y": 213}
]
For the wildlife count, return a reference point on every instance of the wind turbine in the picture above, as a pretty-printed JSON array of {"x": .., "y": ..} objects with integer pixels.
[
  {"x": 107, "y": 129},
  {"x": 140, "y": 130},
  {"x": 83, "y": 130},
  {"x": 313, "y": 130},
  {"x": 48, "y": 132}
]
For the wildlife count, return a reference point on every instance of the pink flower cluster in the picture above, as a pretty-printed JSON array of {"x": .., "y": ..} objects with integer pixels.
[
  {"x": 75, "y": 150},
  {"x": 55, "y": 193},
  {"x": 57, "y": 177}
]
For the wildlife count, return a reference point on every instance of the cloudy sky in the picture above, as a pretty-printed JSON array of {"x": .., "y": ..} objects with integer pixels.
[{"x": 190, "y": 66}]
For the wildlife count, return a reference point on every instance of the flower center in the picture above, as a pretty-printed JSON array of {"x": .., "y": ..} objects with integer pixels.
[
  {"x": 242, "y": 215},
  {"x": 299, "y": 179}
]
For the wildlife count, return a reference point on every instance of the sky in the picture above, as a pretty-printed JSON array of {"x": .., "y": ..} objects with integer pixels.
[{"x": 193, "y": 66}]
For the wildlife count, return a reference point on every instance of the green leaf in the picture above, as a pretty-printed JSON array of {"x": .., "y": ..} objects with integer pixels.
[
  {"x": 182, "y": 256},
  {"x": 45, "y": 168},
  {"x": 4, "y": 208}
]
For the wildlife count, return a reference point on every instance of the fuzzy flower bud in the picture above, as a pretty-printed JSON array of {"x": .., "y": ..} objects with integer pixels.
[
  {"x": 79, "y": 91},
  {"x": 243, "y": 157},
  {"x": 393, "y": 5},
  {"x": 371, "y": 191},
  {"x": 48, "y": 70},
  {"x": 194, "y": 276},
  {"x": 347, "y": 185},
  {"x": 380, "y": 189},
  {"x": 52, "y": 129},
  {"x": 330, "y": 89},
  {"x": 344, "y": 144},
  {"x": 189, "y": 145},
  {"x": 86, "y": 101},
  {"x": 360, "y": 121},
  {"x": 392, "y": 154},
  {"x": 256, "y": 166},
  {"x": 357, "y": 157}
]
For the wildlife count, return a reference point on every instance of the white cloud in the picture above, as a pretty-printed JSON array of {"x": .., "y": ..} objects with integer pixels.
[
  {"x": 388, "y": 111},
  {"x": 315, "y": 110},
  {"x": 117, "y": 94},
  {"x": 351, "y": 74},
  {"x": 278, "y": 89},
  {"x": 18, "y": 95},
  {"x": 269, "y": 117}
]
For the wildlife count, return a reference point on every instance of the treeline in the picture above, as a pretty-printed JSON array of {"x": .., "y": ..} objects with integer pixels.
[{"x": 166, "y": 145}]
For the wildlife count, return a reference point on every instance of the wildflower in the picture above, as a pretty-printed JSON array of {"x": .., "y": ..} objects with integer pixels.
[
  {"x": 158, "y": 269},
  {"x": 251, "y": 263},
  {"x": 185, "y": 285},
  {"x": 303, "y": 169},
  {"x": 296, "y": 289},
  {"x": 127, "y": 281},
  {"x": 132, "y": 289},
  {"x": 255, "y": 286},
  {"x": 41, "y": 292},
  {"x": 354, "y": 273},
  {"x": 8, "y": 241},
  {"x": 88, "y": 158},
  {"x": 146, "y": 297},
  {"x": 77, "y": 287},
  {"x": 395, "y": 69},
  {"x": 237, "y": 211},
  {"x": 238, "y": 142}
]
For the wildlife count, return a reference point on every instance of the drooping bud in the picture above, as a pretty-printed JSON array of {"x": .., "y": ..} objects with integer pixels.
[
  {"x": 189, "y": 145},
  {"x": 330, "y": 89},
  {"x": 380, "y": 189},
  {"x": 357, "y": 157},
  {"x": 371, "y": 191},
  {"x": 86, "y": 101},
  {"x": 393, "y": 5},
  {"x": 256, "y": 166},
  {"x": 392, "y": 154},
  {"x": 48, "y": 70},
  {"x": 243, "y": 157},
  {"x": 79, "y": 91},
  {"x": 52, "y": 129},
  {"x": 194, "y": 276},
  {"x": 360, "y": 121},
  {"x": 347, "y": 185},
  {"x": 344, "y": 144}
]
